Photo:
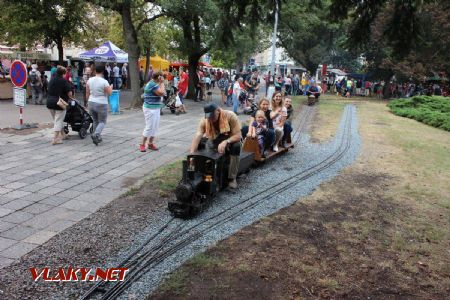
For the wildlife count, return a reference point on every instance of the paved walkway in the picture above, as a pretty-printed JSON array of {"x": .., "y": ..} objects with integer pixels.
[{"x": 45, "y": 189}]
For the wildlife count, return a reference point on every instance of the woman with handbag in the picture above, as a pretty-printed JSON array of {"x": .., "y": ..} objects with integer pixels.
[{"x": 59, "y": 92}]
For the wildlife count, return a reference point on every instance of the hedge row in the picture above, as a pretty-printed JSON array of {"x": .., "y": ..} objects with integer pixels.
[{"x": 431, "y": 110}]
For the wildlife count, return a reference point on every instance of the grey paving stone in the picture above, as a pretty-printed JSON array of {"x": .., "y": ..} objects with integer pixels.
[
  {"x": 49, "y": 182},
  {"x": 77, "y": 179},
  {"x": 4, "y": 200},
  {"x": 6, "y": 225},
  {"x": 33, "y": 187},
  {"x": 54, "y": 200},
  {"x": 37, "y": 208},
  {"x": 4, "y": 190},
  {"x": 105, "y": 191},
  {"x": 58, "y": 170},
  {"x": 51, "y": 190},
  {"x": 18, "y": 233},
  {"x": 6, "y": 243},
  {"x": 18, "y": 250},
  {"x": 66, "y": 184},
  {"x": 49, "y": 217},
  {"x": 5, "y": 211},
  {"x": 82, "y": 187},
  {"x": 30, "y": 180},
  {"x": 69, "y": 193},
  {"x": 44, "y": 175},
  {"x": 16, "y": 194},
  {"x": 40, "y": 237},
  {"x": 34, "y": 197},
  {"x": 78, "y": 215},
  {"x": 16, "y": 177},
  {"x": 4, "y": 180},
  {"x": 17, "y": 204},
  {"x": 78, "y": 205},
  {"x": 71, "y": 173},
  {"x": 60, "y": 225},
  {"x": 30, "y": 172},
  {"x": 17, "y": 217},
  {"x": 4, "y": 262},
  {"x": 88, "y": 197}
]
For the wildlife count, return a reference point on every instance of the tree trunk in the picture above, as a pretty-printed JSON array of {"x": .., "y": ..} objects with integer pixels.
[
  {"x": 59, "y": 45},
  {"x": 239, "y": 63},
  {"x": 147, "y": 64},
  {"x": 130, "y": 36},
  {"x": 193, "y": 79}
]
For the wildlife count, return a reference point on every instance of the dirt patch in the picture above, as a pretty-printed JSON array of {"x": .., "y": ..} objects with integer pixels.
[
  {"x": 322, "y": 248},
  {"x": 90, "y": 242},
  {"x": 376, "y": 231}
]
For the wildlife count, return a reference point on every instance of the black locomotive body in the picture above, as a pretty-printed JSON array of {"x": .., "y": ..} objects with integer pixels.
[{"x": 204, "y": 174}]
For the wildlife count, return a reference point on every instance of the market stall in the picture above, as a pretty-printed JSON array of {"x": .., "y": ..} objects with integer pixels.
[
  {"x": 107, "y": 52},
  {"x": 157, "y": 62}
]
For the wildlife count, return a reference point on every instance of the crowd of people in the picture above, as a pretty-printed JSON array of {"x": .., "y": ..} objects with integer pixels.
[
  {"x": 349, "y": 87},
  {"x": 270, "y": 115}
]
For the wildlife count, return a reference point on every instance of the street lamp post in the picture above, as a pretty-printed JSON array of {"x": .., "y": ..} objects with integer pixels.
[{"x": 274, "y": 40}]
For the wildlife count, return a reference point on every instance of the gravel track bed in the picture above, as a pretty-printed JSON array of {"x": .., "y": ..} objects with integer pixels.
[{"x": 288, "y": 171}]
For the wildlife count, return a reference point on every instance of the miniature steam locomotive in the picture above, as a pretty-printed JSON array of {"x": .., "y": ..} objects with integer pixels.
[{"x": 205, "y": 173}]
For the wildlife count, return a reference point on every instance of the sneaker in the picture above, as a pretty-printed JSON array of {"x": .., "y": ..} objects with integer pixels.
[
  {"x": 142, "y": 148},
  {"x": 152, "y": 147},
  {"x": 99, "y": 138},
  {"x": 275, "y": 148},
  {"x": 95, "y": 139},
  {"x": 233, "y": 184}
]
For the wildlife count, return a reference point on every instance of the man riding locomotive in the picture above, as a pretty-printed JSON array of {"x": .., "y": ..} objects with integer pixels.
[{"x": 222, "y": 128}]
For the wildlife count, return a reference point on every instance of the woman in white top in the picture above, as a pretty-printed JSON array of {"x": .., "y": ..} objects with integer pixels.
[
  {"x": 97, "y": 91},
  {"x": 280, "y": 114},
  {"x": 236, "y": 93}
]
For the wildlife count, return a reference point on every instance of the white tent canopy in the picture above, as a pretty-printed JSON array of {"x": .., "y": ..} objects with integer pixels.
[{"x": 107, "y": 52}]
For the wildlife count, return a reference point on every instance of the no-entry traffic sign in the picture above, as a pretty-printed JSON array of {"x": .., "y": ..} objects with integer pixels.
[{"x": 18, "y": 73}]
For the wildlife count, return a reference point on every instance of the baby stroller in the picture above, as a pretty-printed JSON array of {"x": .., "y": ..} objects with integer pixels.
[
  {"x": 243, "y": 97},
  {"x": 78, "y": 119},
  {"x": 252, "y": 107},
  {"x": 169, "y": 100}
]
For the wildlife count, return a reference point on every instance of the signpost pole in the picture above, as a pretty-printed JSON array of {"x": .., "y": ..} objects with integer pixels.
[
  {"x": 18, "y": 73},
  {"x": 21, "y": 116}
]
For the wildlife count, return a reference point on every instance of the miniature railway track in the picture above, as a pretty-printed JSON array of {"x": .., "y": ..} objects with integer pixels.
[{"x": 170, "y": 244}]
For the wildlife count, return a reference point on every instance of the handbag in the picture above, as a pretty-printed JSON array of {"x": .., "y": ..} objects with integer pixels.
[
  {"x": 62, "y": 104},
  {"x": 178, "y": 102}
]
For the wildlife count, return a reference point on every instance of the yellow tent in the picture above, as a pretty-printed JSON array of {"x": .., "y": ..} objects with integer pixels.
[{"x": 157, "y": 62}]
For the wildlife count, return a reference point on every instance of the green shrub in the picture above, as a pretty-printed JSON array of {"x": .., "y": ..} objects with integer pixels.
[{"x": 431, "y": 110}]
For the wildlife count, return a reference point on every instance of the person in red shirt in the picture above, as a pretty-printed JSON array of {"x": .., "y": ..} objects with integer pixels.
[
  {"x": 367, "y": 87},
  {"x": 68, "y": 77},
  {"x": 182, "y": 89}
]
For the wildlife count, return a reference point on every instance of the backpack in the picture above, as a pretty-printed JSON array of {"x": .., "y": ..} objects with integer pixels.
[{"x": 33, "y": 77}]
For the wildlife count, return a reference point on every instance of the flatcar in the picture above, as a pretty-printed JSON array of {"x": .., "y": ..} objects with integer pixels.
[{"x": 205, "y": 173}]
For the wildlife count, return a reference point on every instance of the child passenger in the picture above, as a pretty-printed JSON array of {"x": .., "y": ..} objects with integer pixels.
[{"x": 258, "y": 129}]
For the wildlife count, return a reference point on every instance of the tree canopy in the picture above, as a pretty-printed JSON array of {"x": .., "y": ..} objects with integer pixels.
[{"x": 48, "y": 21}]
